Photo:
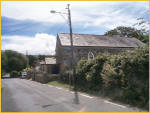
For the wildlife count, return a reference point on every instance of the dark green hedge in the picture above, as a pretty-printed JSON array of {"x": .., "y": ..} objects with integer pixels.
[
  {"x": 124, "y": 76},
  {"x": 14, "y": 74}
]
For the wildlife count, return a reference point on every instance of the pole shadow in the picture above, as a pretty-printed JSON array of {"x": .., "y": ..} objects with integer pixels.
[{"x": 76, "y": 97}]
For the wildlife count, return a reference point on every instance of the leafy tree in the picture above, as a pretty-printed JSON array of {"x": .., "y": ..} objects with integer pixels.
[
  {"x": 32, "y": 59},
  {"x": 129, "y": 32},
  {"x": 41, "y": 57},
  {"x": 143, "y": 25},
  {"x": 4, "y": 63},
  {"x": 13, "y": 61}
]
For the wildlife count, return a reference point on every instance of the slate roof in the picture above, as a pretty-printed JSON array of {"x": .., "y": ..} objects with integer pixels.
[
  {"x": 50, "y": 60},
  {"x": 42, "y": 62},
  {"x": 98, "y": 40}
]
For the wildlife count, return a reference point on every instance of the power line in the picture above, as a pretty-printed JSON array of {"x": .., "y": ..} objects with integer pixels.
[
  {"x": 21, "y": 28},
  {"x": 36, "y": 23},
  {"x": 39, "y": 51}
]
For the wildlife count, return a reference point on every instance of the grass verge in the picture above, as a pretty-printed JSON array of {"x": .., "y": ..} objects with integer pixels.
[
  {"x": 84, "y": 90},
  {"x": 60, "y": 84}
]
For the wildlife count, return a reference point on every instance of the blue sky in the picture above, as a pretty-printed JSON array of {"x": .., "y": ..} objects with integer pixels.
[{"x": 30, "y": 25}]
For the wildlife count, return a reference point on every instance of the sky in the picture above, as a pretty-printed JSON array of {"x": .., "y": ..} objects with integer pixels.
[{"x": 29, "y": 26}]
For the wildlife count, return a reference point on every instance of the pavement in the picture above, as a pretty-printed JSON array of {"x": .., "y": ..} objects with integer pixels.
[{"x": 21, "y": 95}]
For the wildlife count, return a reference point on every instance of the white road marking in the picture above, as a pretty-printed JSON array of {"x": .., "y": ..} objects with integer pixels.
[
  {"x": 66, "y": 90},
  {"x": 37, "y": 84},
  {"x": 58, "y": 87},
  {"x": 85, "y": 95},
  {"x": 114, "y": 104},
  {"x": 71, "y": 92},
  {"x": 32, "y": 84},
  {"x": 50, "y": 86}
]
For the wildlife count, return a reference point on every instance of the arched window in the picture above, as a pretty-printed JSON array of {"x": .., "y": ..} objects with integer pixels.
[{"x": 90, "y": 56}]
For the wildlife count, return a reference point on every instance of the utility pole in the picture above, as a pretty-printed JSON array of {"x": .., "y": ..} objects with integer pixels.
[
  {"x": 27, "y": 58},
  {"x": 76, "y": 100},
  {"x": 71, "y": 41},
  {"x": 72, "y": 48}
]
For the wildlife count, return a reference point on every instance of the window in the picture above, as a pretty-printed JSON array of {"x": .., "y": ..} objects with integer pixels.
[{"x": 90, "y": 56}]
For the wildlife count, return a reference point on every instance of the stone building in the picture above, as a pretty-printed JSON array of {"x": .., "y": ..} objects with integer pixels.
[
  {"x": 87, "y": 46},
  {"x": 45, "y": 70},
  {"x": 49, "y": 65}
]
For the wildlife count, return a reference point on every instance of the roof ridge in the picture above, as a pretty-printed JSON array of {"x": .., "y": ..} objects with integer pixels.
[
  {"x": 82, "y": 34},
  {"x": 100, "y": 35}
]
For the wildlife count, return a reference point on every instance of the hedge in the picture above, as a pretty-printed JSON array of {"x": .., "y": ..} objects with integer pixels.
[
  {"x": 124, "y": 76},
  {"x": 14, "y": 74}
]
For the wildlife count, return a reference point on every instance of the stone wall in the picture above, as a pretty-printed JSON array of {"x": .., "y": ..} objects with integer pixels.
[
  {"x": 43, "y": 77},
  {"x": 29, "y": 75},
  {"x": 63, "y": 54}
]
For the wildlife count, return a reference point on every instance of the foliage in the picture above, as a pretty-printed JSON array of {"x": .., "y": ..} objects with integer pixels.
[
  {"x": 67, "y": 77},
  {"x": 41, "y": 57},
  {"x": 125, "y": 74},
  {"x": 13, "y": 61},
  {"x": 81, "y": 70},
  {"x": 4, "y": 63},
  {"x": 60, "y": 84},
  {"x": 32, "y": 59},
  {"x": 27, "y": 69},
  {"x": 129, "y": 32},
  {"x": 89, "y": 72},
  {"x": 129, "y": 72},
  {"x": 14, "y": 74}
]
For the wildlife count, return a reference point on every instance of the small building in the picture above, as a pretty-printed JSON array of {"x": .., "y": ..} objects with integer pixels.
[
  {"x": 87, "y": 46},
  {"x": 49, "y": 66},
  {"x": 45, "y": 70}
]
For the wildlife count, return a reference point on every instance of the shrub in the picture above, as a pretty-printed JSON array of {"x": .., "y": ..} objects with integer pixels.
[
  {"x": 67, "y": 77},
  {"x": 127, "y": 73},
  {"x": 12, "y": 60},
  {"x": 13, "y": 74},
  {"x": 81, "y": 70},
  {"x": 95, "y": 80},
  {"x": 88, "y": 72}
]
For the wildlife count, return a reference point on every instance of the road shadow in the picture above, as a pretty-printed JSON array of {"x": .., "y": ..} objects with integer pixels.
[{"x": 76, "y": 97}]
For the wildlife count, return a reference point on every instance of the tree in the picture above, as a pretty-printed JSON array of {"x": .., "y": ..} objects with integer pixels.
[
  {"x": 13, "y": 61},
  {"x": 4, "y": 63},
  {"x": 129, "y": 32},
  {"x": 32, "y": 59},
  {"x": 16, "y": 64},
  {"x": 41, "y": 57}
]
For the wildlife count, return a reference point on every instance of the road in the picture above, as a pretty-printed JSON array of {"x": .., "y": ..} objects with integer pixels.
[{"x": 20, "y": 95}]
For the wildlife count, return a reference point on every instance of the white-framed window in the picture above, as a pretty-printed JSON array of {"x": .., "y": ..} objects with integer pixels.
[{"x": 90, "y": 56}]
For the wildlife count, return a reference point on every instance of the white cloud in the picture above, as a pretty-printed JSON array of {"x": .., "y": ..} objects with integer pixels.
[
  {"x": 40, "y": 44},
  {"x": 88, "y": 14},
  {"x": 106, "y": 15},
  {"x": 81, "y": 11}
]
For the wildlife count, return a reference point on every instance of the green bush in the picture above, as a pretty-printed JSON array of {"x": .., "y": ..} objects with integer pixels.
[
  {"x": 126, "y": 73},
  {"x": 12, "y": 60},
  {"x": 14, "y": 74},
  {"x": 95, "y": 81},
  {"x": 81, "y": 70},
  {"x": 67, "y": 77},
  {"x": 88, "y": 72}
]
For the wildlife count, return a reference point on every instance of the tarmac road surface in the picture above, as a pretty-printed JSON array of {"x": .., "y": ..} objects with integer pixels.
[{"x": 20, "y": 95}]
